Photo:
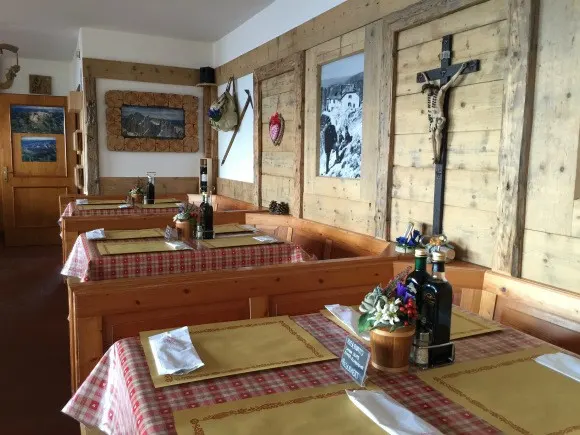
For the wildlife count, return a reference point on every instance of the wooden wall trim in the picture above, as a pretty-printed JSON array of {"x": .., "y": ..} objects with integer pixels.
[
  {"x": 139, "y": 72},
  {"x": 91, "y": 135},
  {"x": 210, "y": 136},
  {"x": 387, "y": 87},
  {"x": 94, "y": 69},
  {"x": 516, "y": 136},
  {"x": 344, "y": 18},
  {"x": 257, "y": 142},
  {"x": 298, "y": 190}
]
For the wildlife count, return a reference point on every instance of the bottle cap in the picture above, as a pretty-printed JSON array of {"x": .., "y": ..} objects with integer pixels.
[
  {"x": 421, "y": 252},
  {"x": 438, "y": 257}
]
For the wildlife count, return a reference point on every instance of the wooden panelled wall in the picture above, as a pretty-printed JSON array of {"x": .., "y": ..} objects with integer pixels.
[
  {"x": 551, "y": 251},
  {"x": 475, "y": 111},
  {"x": 345, "y": 203},
  {"x": 278, "y": 169},
  {"x": 493, "y": 191}
]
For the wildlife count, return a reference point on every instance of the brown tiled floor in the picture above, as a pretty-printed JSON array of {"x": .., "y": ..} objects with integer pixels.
[{"x": 34, "y": 359}]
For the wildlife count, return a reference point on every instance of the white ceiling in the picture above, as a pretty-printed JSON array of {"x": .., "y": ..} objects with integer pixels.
[{"x": 48, "y": 29}]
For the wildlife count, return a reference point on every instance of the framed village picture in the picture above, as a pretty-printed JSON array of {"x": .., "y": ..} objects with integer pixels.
[
  {"x": 342, "y": 144},
  {"x": 341, "y": 117}
]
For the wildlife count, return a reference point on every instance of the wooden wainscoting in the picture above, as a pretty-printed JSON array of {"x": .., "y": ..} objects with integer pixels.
[
  {"x": 237, "y": 189},
  {"x": 163, "y": 185}
]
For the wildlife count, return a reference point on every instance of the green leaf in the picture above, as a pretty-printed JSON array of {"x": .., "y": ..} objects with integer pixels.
[{"x": 365, "y": 322}]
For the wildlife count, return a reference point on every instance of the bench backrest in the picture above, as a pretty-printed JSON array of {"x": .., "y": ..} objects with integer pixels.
[{"x": 323, "y": 241}]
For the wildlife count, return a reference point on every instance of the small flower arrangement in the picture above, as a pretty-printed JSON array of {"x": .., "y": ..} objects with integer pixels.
[
  {"x": 187, "y": 212},
  {"x": 409, "y": 241},
  {"x": 138, "y": 188},
  {"x": 392, "y": 307}
]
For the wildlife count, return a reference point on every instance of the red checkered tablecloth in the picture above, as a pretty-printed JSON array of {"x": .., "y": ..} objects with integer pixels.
[
  {"x": 72, "y": 210},
  {"x": 118, "y": 397},
  {"x": 85, "y": 261}
]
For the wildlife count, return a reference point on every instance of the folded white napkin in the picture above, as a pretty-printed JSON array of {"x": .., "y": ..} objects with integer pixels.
[
  {"x": 349, "y": 318},
  {"x": 174, "y": 353},
  {"x": 125, "y": 206},
  {"x": 562, "y": 363},
  {"x": 82, "y": 201},
  {"x": 266, "y": 239},
  {"x": 388, "y": 414},
  {"x": 178, "y": 246},
  {"x": 96, "y": 234}
]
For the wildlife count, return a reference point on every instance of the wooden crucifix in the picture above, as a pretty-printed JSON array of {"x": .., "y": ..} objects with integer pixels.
[{"x": 438, "y": 111}]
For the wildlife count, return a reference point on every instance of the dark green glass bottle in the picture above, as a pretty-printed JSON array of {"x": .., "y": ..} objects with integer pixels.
[
  {"x": 435, "y": 314},
  {"x": 419, "y": 276}
]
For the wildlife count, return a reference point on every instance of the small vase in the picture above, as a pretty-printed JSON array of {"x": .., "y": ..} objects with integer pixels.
[
  {"x": 185, "y": 230},
  {"x": 390, "y": 351}
]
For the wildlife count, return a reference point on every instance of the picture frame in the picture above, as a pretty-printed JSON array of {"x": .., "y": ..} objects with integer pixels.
[{"x": 151, "y": 122}]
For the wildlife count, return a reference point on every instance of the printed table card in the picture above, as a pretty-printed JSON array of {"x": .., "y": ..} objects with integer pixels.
[{"x": 355, "y": 360}]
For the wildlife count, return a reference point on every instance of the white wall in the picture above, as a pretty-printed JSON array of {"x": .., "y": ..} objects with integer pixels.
[
  {"x": 240, "y": 162},
  {"x": 131, "y": 47},
  {"x": 58, "y": 70},
  {"x": 268, "y": 24},
  {"x": 136, "y": 164},
  {"x": 271, "y": 22}
]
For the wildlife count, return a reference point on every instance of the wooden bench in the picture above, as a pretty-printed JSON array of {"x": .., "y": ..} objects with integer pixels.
[
  {"x": 103, "y": 312},
  {"x": 323, "y": 241},
  {"x": 225, "y": 203}
]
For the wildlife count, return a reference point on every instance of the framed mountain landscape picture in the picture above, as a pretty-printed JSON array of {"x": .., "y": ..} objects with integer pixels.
[
  {"x": 151, "y": 122},
  {"x": 37, "y": 119}
]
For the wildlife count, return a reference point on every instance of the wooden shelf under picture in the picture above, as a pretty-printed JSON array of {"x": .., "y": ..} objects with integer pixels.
[
  {"x": 75, "y": 101},
  {"x": 78, "y": 141},
  {"x": 79, "y": 177}
]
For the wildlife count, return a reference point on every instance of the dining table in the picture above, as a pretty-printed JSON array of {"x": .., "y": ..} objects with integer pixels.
[
  {"x": 119, "y": 396},
  {"x": 74, "y": 209},
  {"x": 87, "y": 263}
]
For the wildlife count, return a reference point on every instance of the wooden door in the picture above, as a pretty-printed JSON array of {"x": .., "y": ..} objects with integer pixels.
[{"x": 36, "y": 166}]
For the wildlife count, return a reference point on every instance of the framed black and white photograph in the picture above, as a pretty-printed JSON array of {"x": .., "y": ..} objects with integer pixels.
[
  {"x": 341, "y": 114},
  {"x": 153, "y": 122}
]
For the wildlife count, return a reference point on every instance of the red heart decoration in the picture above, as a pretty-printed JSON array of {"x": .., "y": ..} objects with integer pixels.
[{"x": 276, "y": 128}]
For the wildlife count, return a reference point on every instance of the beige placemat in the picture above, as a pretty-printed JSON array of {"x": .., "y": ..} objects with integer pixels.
[
  {"x": 233, "y": 242},
  {"x": 512, "y": 392},
  {"x": 231, "y": 348},
  {"x": 99, "y": 207},
  {"x": 322, "y": 410},
  {"x": 231, "y": 229},
  {"x": 105, "y": 201},
  {"x": 134, "y": 234},
  {"x": 118, "y": 248},
  {"x": 465, "y": 325},
  {"x": 462, "y": 324},
  {"x": 161, "y": 205}
]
